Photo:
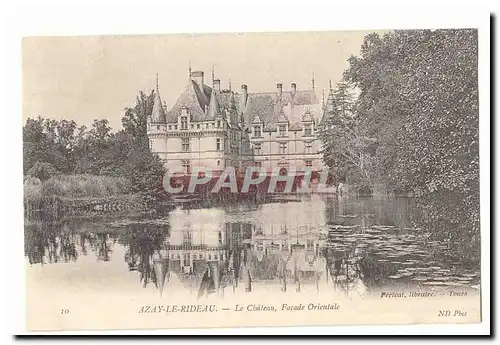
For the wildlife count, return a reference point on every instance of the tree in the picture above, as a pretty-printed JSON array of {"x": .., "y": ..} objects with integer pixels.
[
  {"x": 144, "y": 168},
  {"x": 49, "y": 141},
  {"x": 52, "y": 146},
  {"x": 135, "y": 119},
  {"x": 132, "y": 156},
  {"x": 343, "y": 146},
  {"x": 42, "y": 171},
  {"x": 418, "y": 99}
]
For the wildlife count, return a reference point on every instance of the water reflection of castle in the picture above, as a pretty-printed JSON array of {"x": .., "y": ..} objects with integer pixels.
[{"x": 208, "y": 251}]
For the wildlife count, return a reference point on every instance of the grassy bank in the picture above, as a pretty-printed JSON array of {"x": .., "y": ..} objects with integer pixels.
[
  {"x": 75, "y": 187},
  {"x": 79, "y": 195}
]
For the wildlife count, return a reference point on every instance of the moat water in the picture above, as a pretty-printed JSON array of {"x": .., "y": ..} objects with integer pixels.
[{"x": 351, "y": 246}]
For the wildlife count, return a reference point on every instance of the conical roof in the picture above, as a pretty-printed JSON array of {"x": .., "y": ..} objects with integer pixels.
[
  {"x": 213, "y": 107},
  {"x": 329, "y": 107},
  {"x": 330, "y": 102},
  {"x": 158, "y": 113}
]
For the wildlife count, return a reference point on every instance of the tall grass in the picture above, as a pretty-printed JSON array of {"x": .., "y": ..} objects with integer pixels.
[
  {"x": 32, "y": 189},
  {"x": 76, "y": 186}
]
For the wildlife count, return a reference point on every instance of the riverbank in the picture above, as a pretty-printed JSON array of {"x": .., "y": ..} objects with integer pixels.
[{"x": 81, "y": 195}]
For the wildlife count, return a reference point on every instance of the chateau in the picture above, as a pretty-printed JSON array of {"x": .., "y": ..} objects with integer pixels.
[{"x": 215, "y": 128}]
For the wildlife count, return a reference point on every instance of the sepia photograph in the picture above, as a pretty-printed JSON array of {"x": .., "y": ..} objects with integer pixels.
[{"x": 251, "y": 179}]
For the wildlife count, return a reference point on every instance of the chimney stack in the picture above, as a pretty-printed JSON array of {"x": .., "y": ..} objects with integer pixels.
[
  {"x": 217, "y": 85},
  {"x": 279, "y": 90},
  {"x": 243, "y": 97},
  {"x": 197, "y": 76},
  {"x": 293, "y": 88}
]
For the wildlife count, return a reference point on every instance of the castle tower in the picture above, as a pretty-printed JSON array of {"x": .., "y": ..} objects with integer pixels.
[{"x": 158, "y": 113}]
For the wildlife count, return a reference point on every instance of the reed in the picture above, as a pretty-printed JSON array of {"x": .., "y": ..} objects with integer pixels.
[
  {"x": 84, "y": 186},
  {"x": 76, "y": 194}
]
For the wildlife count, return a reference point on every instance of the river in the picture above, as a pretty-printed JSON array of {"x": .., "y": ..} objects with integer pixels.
[{"x": 350, "y": 246}]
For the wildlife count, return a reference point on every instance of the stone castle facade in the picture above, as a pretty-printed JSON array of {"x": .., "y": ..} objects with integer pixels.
[{"x": 216, "y": 128}]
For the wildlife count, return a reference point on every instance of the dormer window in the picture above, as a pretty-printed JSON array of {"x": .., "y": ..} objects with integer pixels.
[
  {"x": 184, "y": 122},
  {"x": 282, "y": 130},
  {"x": 257, "y": 131},
  {"x": 308, "y": 129}
]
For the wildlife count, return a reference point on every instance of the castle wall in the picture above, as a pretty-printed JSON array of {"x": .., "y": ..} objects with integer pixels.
[{"x": 214, "y": 144}]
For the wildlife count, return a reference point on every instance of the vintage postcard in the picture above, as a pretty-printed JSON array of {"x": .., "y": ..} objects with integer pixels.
[{"x": 252, "y": 179}]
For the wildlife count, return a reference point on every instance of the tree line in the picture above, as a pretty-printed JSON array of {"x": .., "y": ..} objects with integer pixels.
[
  {"x": 405, "y": 120},
  {"x": 53, "y": 147}
]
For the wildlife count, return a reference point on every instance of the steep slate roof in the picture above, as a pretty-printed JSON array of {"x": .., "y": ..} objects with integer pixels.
[
  {"x": 261, "y": 105},
  {"x": 193, "y": 98},
  {"x": 224, "y": 99},
  {"x": 213, "y": 107},
  {"x": 158, "y": 113},
  {"x": 265, "y": 105},
  {"x": 268, "y": 108},
  {"x": 329, "y": 107},
  {"x": 196, "y": 99}
]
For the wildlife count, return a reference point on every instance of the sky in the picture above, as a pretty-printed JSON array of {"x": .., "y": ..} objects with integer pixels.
[{"x": 82, "y": 78}]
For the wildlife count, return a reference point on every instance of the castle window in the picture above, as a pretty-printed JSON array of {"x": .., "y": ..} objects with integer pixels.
[
  {"x": 282, "y": 130},
  {"x": 198, "y": 126},
  {"x": 257, "y": 148},
  {"x": 169, "y": 127},
  {"x": 192, "y": 126},
  {"x": 186, "y": 238},
  {"x": 186, "y": 166},
  {"x": 308, "y": 130},
  {"x": 258, "y": 164},
  {"x": 257, "y": 132},
  {"x": 218, "y": 124},
  {"x": 283, "y": 148},
  {"x": 175, "y": 127},
  {"x": 157, "y": 126},
  {"x": 309, "y": 163},
  {"x": 185, "y": 144},
  {"x": 184, "y": 122},
  {"x": 218, "y": 145},
  {"x": 308, "y": 147},
  {"x": 218, "y": 163}
]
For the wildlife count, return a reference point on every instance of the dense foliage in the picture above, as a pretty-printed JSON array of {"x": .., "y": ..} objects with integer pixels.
[
  {"x": 60, "y": 147},
  {"x": 416, "y": 126}
]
